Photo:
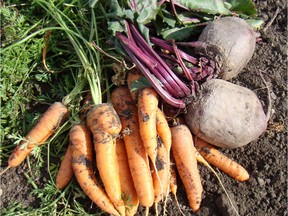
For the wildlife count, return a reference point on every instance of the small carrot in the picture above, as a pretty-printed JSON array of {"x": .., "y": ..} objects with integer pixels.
[
  {"x": 163, "y": 130},
  {"x": 218, "y": 159},
  {"x": 81, "y": 149},
  {"x": 45, "y": 127},
  {"x": 185, "y": 157},
  {"x": 130, "y": 196},
  {"x": 201, "y": 159},
  {"x": 132, "y": 77},
  {"x": 147, "y": 109},
  {"x": 173, "y": 177},
  {"x": 106, "y": 161},
  {"x": 173, "y": 183},
  {"x": 105, "y": 125},
  {"x": 163, "y": 170},
  {"x": 65, "y": 172},
  {"x": 137, "y": 156}
]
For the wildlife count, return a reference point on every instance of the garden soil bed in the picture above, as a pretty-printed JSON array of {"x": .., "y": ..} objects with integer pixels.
[{"x": 265, "y": 193}]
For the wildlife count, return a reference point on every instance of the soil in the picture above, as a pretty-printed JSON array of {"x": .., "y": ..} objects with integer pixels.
[{"x": 265, "y": 193}]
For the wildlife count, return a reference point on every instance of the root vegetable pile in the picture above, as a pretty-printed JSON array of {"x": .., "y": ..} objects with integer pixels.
[
  {"x": 175, "y": 106},
  {"x": 130, "y": 177}
]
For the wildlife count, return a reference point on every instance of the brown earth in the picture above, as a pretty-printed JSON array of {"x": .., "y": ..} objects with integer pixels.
[{"x": 265, "y": 193}]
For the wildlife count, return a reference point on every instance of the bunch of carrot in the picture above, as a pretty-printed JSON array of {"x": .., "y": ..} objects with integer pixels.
[{"x": 133, "y": 144}]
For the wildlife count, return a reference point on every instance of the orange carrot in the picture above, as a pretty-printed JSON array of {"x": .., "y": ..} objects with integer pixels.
[
  {"x": 185, "y": 157},
  {"x": 130, "y": 196},
  {"x": 218, "y": 159},
  {"x": 173, "y": 183},
  {"x": 163, "y": 130},
  {"x": 173, "y": 177},
  {"x": 105, "y": 126},
  {"x": 132, "y": 77},
  {"x": 45, "y": 127},
  {"x": 106, "y": 161},
  {"x": 65, "y": 172},
  {"x": 81, "y": 148},
  {"x": 103, "y": 117},
  {"x": 137, "y": 156},
  {"x": 163, "y": 170},
  {"x": 147, "y": 109}
]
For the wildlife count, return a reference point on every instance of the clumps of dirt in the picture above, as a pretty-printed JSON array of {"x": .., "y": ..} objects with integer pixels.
[{"x": 14, "y": 188}]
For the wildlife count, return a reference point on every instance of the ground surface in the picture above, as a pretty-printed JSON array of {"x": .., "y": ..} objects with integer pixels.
[{"x": 265, "y": 159}]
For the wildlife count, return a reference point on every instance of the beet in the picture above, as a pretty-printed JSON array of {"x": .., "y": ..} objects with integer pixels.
[
  {"x": 230, "y": 42},
  {"x": 226, "y": 115}
]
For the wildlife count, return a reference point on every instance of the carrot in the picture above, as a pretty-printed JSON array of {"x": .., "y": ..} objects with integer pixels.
[
  {"x": 132, "y": 77},
  {"x": 137, "y": 156},
  {"x": 130, "y": 196},
  {"x": 147, "y": 108},
  {"x": 106, "y": 161},
  {"x": 173, "y": 177},
  {"x": 163, "y": 171},
  {"x": 201, "y": 159},
  {"x": 218, "y": 159},
  {"x": 45, "y": 127},
  {"x": 103, "y": 117},
  {"x": 81, "y": 148},
  {"x": 105, "y": 126},
  {"x": 185, "y": 157},
  {"x": 173, "y": 183},
  {"x": 65, "y": 172},
  {"x": 163, "y": 130}
]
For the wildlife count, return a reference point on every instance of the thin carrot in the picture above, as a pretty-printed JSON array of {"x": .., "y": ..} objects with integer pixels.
[
  {"x": 45, "y": 127},
  {"x": 173, "y": 183},
  {"x": 163, "y": 170},
  {"x": 218, "y": 159},
  {"x": 137, "y": 156},
  {"x": 106, "y": 161},
  {"x": 65, "y": 172},
  {"x": 185, "y": 157},
  {"x": 147, "y": 109},
  {"x": 173, "y": 177},
  {"x": 105, "y": 126},
  {"x": 130, "y": 196},
  {"x": 132, "y": 77},
  {"x": 201, "y": 159},
  {"x": 81, "y": 148},
  {"x": 163, "y": 130}
]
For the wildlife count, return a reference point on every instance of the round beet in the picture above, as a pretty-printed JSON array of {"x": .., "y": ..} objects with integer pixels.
[
  {"x": 226, "y": 115},
  {"x": 230, "y": 42}
]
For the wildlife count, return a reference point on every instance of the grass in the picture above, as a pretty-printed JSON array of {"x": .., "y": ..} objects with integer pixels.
[{"x": 68, "y": 31}]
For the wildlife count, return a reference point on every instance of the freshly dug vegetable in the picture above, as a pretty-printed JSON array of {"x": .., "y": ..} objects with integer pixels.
[
  {"x": 163, "y": 170},
  {"x": 65, "y": 172},
  {"x": 45, "y": 127},
  {"x": 105, "y": 126},
  {"x": 221, "y": 161},
  {"x": 147, "y": 109},
  {"x": 129, "y": 195},
  {"x": 226, "y": 115},
  {"x": 81, "y": 148},
  {"x": 106, "y": 161},
  {"x": 136, "y": 153},
  {"x": 184, "y": 154},
  {"x": 230, "y": 41}
]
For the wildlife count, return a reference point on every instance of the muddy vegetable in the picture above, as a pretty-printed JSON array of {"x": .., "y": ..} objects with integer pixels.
[
  {"x": 226, "y": 115},
  {"x": 230, "y": 42}
]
